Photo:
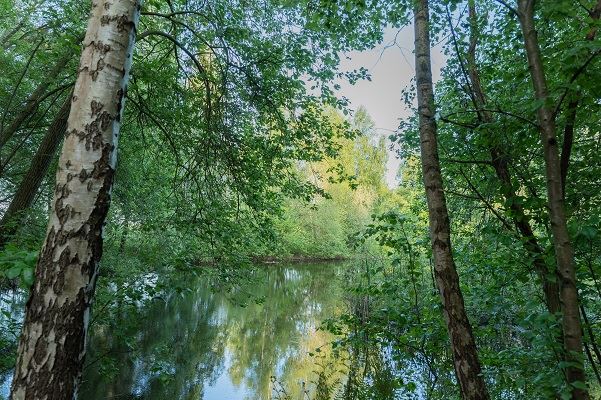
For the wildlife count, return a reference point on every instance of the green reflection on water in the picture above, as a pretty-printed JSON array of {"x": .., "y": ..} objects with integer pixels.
[{"x": 203, "y": 346}]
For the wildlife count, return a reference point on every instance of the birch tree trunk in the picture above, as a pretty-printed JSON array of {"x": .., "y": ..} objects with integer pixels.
[
  {"x": 465, "y": 357},
  {"x": 53, "y": 342},
  {"x": 564, "y": 252}
]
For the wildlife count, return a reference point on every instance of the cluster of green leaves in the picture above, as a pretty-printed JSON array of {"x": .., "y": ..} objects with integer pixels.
[
  {"x": 225, "y": 117},
  {"x": 494, "y": 252},
  {"x": 517, "y": 337},
  {"x": 18, "y": 264},
  {"x": 353, "y": 186},
  {"x": 225, "y": 100},
  {"x": 395, "y": 314},
  {"x": 229, "y": 132}
]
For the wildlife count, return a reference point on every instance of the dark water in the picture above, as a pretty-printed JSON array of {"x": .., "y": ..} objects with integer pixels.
[{"x": 203, "y": 346}]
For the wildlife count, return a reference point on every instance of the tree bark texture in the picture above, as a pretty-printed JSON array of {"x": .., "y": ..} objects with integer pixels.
[
  {"x": 465, "y": 358},
  {"x": 564, "y": 252},
  {"x": 53, "y": 341}
]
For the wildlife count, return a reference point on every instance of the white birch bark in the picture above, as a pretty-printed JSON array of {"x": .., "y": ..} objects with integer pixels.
[{"x": 53, "y": 342}]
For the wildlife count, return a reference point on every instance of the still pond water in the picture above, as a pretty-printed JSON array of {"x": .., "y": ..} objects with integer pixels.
[{"x": 202, "y": 345}]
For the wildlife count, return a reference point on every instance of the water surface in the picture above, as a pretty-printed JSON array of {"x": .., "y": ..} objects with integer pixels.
[{"x": 203, "y": 346}]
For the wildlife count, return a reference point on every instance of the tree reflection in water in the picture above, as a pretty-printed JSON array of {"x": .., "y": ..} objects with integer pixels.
[{"x": 203, "y": 346}]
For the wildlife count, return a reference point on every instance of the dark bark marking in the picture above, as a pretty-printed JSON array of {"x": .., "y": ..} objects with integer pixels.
[
  {"x": 96, "y": 107},
  {"x": 83, "y": 175},
  {"x": 93, "y": 131},
  {"x": 123, "y": 22},
  {"x": 120, "y": 95},
  {"x": 99, "y": 67},
  {"x": 101, "y": 47}
]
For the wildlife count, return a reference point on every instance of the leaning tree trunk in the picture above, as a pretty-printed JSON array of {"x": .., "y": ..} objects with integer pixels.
[
  {"x": 564, "y": 252},
  {"x": 53, "y": 342},
  {"x": 4, "y": 41},
  {"x": 30, "y": 184},
  {"x": 34, "y": 99},
  {"x": 465, "y": 356},
  {"x": 500, "y": 163},
  {"x": 568, "y": 131}
]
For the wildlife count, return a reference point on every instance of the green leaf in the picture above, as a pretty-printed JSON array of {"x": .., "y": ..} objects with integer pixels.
[
  {"x": 13, "y": 272},
  {"x": 27, "y": 276},
  {"x": 579, "y": 385}
]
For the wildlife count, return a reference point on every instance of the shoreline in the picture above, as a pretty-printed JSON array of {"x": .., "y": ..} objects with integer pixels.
[{"x": 298, "y": 259}]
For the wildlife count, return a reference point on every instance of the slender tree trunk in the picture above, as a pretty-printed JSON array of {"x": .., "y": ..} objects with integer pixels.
[
  {"x": 564, "y": 252},
  {"x": 33, "y": 101},
  {"x": 568, "y": 141},
  {"x": 591, "y": 336},
  {"x": 500, "y": 164},
  {"x": 465, "y": 357},
  {"x": 568, "y": 130},
  {"x": 124, "y": 235},
  {"x": 6, "y": 37},
  {"x": 53, "y": 342},
  {"x": 592, "y": 361},
  {"x": 595, "y": 14},
  {"x": 30, "y": 185}
]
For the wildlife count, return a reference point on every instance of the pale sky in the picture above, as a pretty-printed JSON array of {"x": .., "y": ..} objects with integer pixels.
[{"x": 391, "y": 65}]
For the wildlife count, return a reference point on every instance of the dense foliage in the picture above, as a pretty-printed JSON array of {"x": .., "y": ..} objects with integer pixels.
[{"x": 236, "y": 150}]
